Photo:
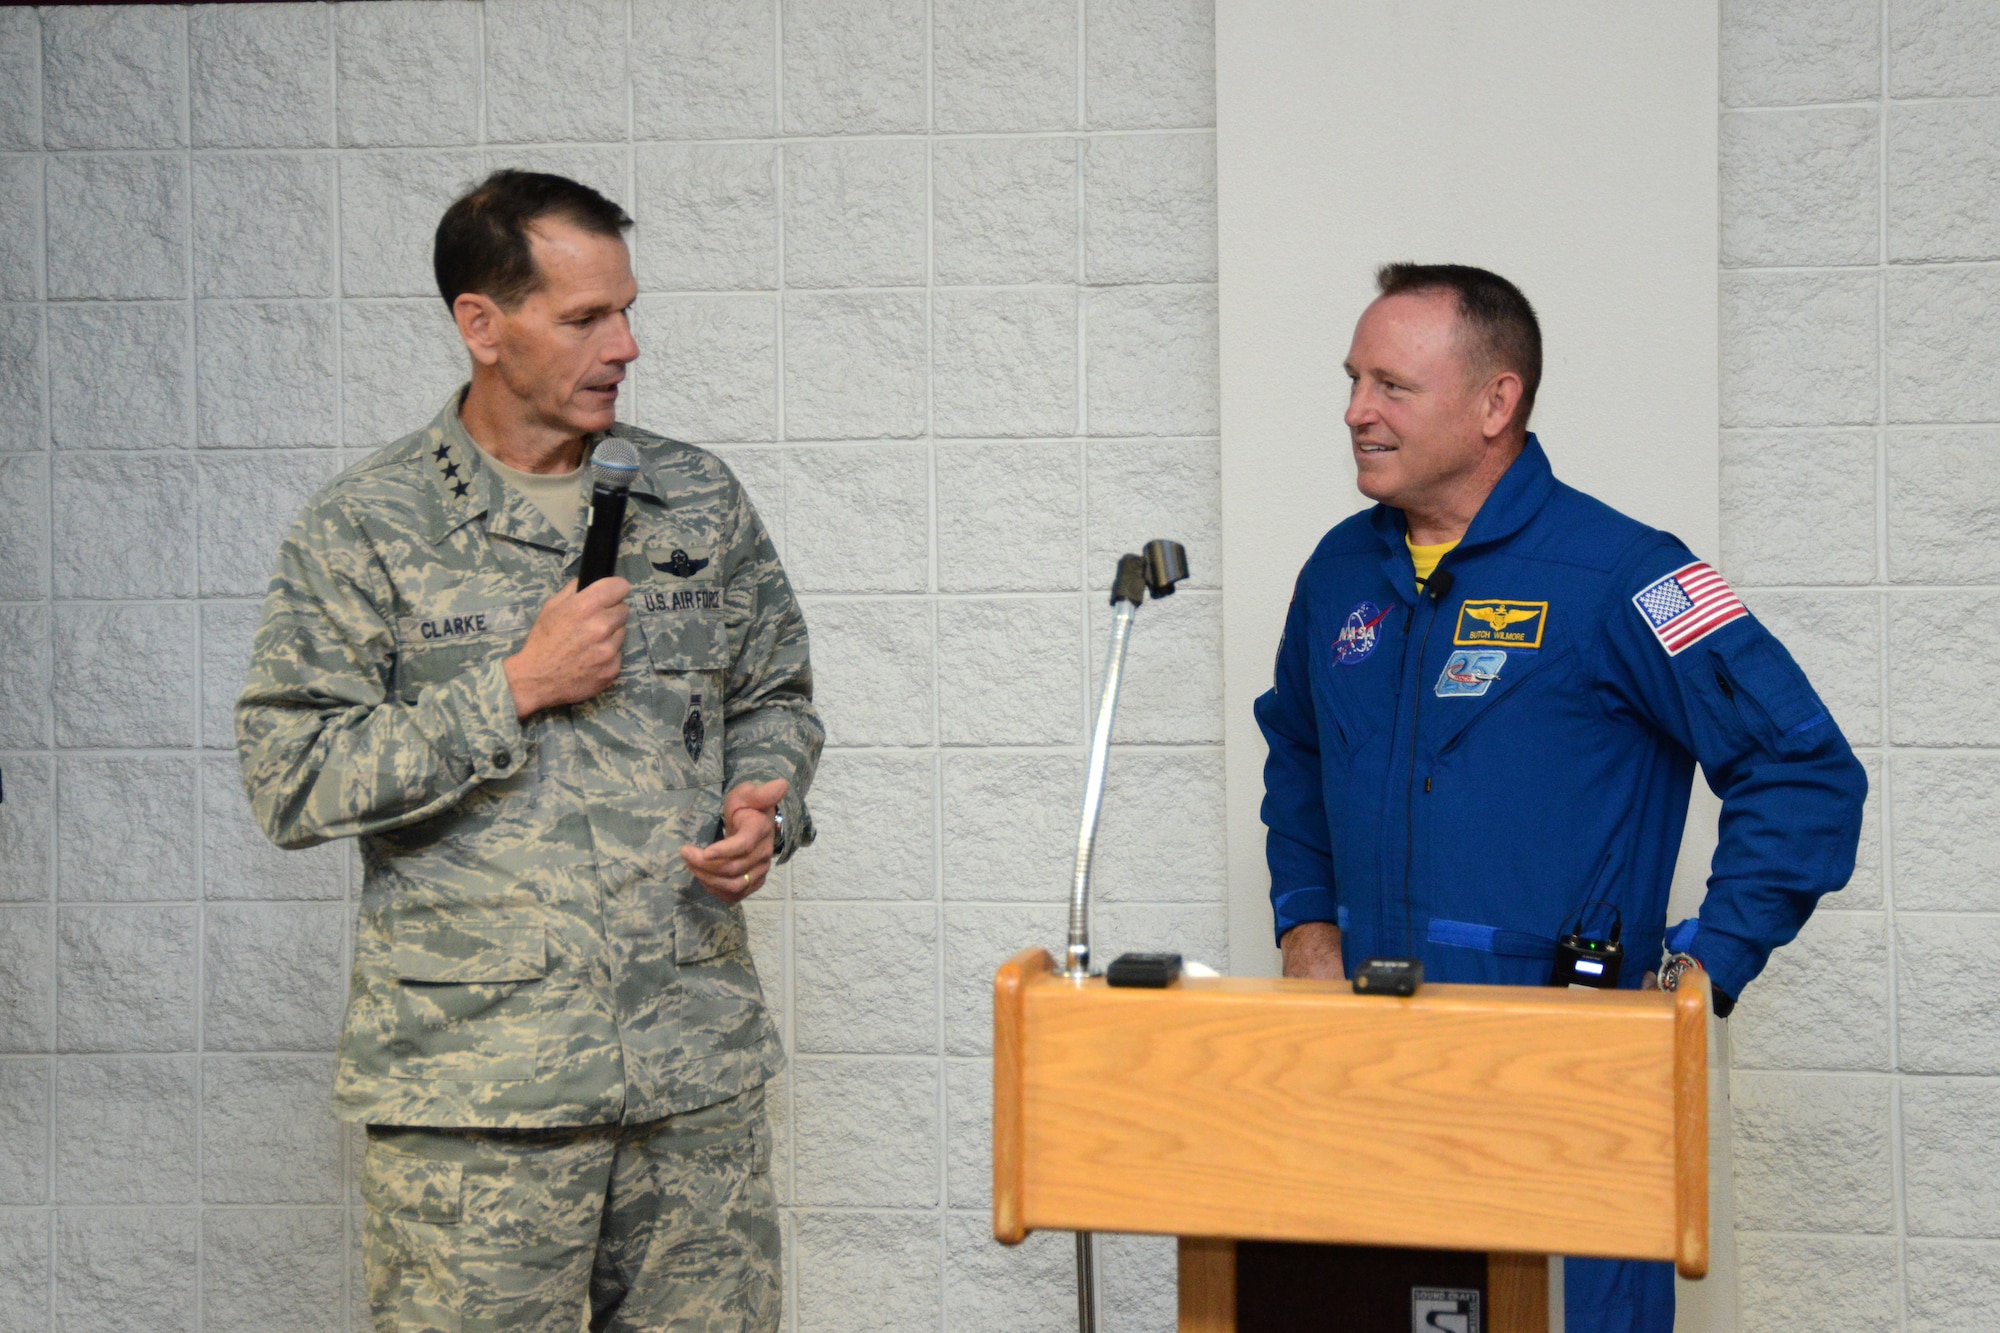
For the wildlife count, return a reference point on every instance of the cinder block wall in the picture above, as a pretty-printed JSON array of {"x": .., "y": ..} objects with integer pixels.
[
  {"x": 936, "y": 280},
  {"x": 1861, "y": 517},
  {"x": 935, "y": 277}
]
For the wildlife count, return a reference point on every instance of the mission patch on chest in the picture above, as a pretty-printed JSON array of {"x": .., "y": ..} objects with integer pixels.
[{"x": 1500, "y": 623}]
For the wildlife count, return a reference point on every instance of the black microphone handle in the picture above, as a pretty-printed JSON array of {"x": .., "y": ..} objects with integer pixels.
[{"x": 600, "y": 542}]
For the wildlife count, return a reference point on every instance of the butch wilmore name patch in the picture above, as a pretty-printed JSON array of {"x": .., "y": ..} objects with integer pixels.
[{"x": 1500, "y": 623}]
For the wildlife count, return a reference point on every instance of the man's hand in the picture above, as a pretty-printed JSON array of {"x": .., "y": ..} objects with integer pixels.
[
  {"x": 1312, "y": 949},
  {"x": 575, "y": 649},
  {"x": 734, "y": 866}
]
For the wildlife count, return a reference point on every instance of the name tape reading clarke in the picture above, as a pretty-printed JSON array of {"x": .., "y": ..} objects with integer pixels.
[{"x": 512, "y": 619}]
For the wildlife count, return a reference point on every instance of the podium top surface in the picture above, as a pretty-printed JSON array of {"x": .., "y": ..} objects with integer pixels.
[
  {"x": 1656, "y": 1005},
  {"x": 1463, "y": 1117}
]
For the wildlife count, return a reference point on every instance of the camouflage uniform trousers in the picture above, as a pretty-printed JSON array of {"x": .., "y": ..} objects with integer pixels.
[{"x": 666, "y": 1227}]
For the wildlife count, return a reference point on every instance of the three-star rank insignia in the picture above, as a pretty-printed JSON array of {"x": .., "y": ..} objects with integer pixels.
[
  {"x": 693, "y": 730},
  {"x": 448, "y": 468},
  {"x": 679, "y": 565}
]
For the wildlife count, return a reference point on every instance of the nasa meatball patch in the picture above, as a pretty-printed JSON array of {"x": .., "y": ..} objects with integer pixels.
[{"x": 1360, "y": 633}]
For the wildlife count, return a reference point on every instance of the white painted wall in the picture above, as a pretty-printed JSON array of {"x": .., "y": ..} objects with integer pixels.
[{"x": 1566, "y": 144}]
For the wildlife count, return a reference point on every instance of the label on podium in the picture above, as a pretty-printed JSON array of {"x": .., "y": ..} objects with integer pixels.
[{"x": 1444, "y": 1310}]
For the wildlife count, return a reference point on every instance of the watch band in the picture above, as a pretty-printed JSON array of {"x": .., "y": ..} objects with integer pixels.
[{"x": 778, "y": 837}]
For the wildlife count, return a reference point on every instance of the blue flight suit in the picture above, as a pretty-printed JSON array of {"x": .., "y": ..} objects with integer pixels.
[{"x": 1452, "y": 778}]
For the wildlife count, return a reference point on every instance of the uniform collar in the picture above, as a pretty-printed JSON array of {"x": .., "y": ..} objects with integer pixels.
[
  {"x": 1523, "y": 489},
  {"x": 467, "y": 489}
]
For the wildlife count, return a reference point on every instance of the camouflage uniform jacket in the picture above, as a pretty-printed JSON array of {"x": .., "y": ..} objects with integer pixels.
[{"x": 531, "y": 950}]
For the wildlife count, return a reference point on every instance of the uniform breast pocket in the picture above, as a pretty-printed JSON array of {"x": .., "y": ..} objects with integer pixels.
[
  {"x": 687, "y": 651},
  {"x": 1349, "y": 711}
]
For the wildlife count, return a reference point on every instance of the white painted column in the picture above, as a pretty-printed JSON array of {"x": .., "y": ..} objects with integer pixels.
[{"x": 1568, "y": 145}]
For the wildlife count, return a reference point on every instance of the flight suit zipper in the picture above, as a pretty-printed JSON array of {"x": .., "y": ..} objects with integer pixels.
[{"x": 1410, "y": 796}]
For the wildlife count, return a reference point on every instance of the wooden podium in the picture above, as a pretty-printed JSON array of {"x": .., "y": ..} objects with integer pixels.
[{"x": 1518, "y": 1121}]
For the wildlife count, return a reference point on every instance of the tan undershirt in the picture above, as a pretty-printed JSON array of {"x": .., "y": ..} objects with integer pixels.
[{"x": 559, "y": 495}]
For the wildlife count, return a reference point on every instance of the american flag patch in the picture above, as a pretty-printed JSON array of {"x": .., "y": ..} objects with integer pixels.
[{"x": 1687, "y": 606}]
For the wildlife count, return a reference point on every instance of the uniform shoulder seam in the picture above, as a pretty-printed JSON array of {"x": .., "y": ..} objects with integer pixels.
[{"x": 1353, "y": 535}]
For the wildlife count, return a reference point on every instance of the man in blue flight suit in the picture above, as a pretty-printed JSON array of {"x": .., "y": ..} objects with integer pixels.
[{"x": 1490, "y": 698}]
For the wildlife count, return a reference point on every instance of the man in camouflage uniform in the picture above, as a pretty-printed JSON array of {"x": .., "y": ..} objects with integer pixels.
[{"x": 554, "y": 1032}]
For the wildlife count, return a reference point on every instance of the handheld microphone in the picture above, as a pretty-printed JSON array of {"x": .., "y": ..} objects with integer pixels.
[{"x": 613, "y": 469}]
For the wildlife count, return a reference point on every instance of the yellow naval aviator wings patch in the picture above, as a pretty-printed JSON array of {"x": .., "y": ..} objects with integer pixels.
[{"x": 1500, "y": 623}]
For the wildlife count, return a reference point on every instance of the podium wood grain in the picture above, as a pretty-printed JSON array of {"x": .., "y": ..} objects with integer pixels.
[
  {"x": 1517, "y": 1293},
  {"x": 1509, "y": 1119},
  {"x": 1207, "y": 1285}
]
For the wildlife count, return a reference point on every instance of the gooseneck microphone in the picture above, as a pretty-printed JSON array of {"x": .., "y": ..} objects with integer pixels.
[{"x": 613, "y": 469}]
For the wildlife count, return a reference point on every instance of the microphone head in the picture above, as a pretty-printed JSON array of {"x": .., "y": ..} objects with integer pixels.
[{"x": 614, "y": 465}]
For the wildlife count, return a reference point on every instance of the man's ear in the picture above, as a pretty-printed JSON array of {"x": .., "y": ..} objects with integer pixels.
[
  {"x": 478, "y": 318},
  {"x": 1499, "y": 401}
]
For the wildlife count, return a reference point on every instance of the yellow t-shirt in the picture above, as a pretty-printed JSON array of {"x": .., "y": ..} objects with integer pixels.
[{"x": 1426, "y": 558}]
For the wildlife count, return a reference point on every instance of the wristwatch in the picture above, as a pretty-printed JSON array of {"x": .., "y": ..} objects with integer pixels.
[
  {"x": 1677, "y": 966},
  {"x": 778, "y": 837}
]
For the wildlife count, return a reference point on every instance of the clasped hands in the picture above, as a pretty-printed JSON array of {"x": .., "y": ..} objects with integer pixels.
[{"x": 574, "y": 653}]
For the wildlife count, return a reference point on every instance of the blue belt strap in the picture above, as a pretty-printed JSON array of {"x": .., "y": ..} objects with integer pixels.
[{"x": 1490, "y": 939}]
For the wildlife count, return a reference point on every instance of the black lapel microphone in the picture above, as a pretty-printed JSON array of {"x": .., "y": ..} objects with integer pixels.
[
  {"x": 613, "y": 469},
  {"x": 1438, "y": 586}
]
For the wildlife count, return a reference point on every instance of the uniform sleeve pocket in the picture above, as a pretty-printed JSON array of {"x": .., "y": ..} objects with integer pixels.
[
  {"x": 1772, "y": 696},
  {"x": 452, "y": 951},
  {"x": 420, "y": 668},
  {"x": 399, "y": 1184}
]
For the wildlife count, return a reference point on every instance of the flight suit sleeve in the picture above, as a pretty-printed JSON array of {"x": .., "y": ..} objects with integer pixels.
[
  {"x": 770, "y": 728},
  {"x": 1791, "y": 789},
  {"x": 1296, "y": 846},
  {"x": 328, "y": 749}
]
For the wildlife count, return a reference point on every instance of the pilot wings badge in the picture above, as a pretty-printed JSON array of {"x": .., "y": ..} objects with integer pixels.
[
  {"x": 679, "y": 565},
  {"x": 1500, "y": 622}
]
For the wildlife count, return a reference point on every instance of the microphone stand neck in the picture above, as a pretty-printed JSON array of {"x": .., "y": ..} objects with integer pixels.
[{"x": 1076, "y": 962}]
